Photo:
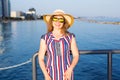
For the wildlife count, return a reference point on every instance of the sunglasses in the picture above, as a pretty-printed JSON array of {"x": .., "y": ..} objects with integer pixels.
[{"x": 61, "y": 20}]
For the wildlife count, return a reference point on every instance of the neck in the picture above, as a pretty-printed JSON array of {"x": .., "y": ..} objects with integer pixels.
[{"x": 57, "y": 31}]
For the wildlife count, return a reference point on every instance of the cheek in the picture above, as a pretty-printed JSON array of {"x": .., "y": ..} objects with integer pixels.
[{"x": 57, "y": 25}]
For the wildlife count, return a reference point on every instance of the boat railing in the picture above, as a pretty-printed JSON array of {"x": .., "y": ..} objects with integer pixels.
[{"x": 107, "y": 52}]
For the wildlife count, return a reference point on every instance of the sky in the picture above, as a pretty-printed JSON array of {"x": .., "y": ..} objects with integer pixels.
[{"x": 78, "y": 8}]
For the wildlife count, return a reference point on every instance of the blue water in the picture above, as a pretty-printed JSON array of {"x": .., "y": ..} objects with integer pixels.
[{"x": 20, "y": 40}]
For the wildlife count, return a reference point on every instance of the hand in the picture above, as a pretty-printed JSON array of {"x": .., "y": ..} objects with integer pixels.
[
  {"x": 67, "y": 74},
  {"x": 47, "y": 77}
]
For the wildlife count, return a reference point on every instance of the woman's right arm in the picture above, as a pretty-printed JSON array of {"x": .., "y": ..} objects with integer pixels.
[{"x": 41, "y": 55}]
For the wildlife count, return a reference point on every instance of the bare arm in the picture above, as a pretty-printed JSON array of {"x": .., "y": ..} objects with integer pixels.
[
  {"x": 41, "y": 55},
  {"x": 75, "y": 53}
]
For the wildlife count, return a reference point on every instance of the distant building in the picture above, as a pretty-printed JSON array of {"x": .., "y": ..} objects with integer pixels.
[
  {"x": 31, "y": 14},
  {"x": 17, "y": 14},
  {"x": 0, "y": 8},
  {"x": 5, "y": 8}
]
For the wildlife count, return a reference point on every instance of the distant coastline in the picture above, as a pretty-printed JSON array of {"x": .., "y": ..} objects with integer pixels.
[
  {"x": 9, "y": 19},
  {"x": 5, "y": 20},
  {"x": 97, "y": 21}
]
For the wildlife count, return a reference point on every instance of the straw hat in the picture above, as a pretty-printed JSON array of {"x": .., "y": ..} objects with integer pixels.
[{"x": 68, "y": 17}]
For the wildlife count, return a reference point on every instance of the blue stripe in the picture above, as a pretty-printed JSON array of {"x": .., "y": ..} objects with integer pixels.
[{"x": 66, "y": 48}]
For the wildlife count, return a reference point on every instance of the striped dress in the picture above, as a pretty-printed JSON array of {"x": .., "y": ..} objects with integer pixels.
[{"x": 58, "y": 55}]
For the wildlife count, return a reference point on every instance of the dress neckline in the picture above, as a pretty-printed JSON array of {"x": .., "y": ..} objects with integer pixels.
[{"x": 56, "y": 38}]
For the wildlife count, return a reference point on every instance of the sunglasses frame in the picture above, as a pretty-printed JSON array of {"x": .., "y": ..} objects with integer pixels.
[{"x": 61, "y": 20}]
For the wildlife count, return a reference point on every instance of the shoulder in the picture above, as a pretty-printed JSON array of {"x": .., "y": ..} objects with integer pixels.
[
  {"x": 71, "y": 34},
  {"x": 44, "y": 36}
]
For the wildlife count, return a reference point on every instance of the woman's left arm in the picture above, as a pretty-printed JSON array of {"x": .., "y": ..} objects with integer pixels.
[{"x": 75, "y": 53}]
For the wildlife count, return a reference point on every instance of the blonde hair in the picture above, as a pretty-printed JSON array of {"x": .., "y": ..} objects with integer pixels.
[{"x": 64, "y": 28}]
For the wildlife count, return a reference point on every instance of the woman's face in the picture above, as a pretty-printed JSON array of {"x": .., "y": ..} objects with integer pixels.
[{"x": 58, "y": 22}]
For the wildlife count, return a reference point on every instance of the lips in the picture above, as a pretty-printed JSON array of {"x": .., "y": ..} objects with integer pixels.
[{"x": 57, "y": 24}]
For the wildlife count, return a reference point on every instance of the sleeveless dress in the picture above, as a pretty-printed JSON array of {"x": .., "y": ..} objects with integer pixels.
[{"x": 58, "y": 55}]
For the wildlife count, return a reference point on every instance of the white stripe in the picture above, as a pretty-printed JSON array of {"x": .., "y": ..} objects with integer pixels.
[
  {"x": 50, "y": 47},
  {"x": 48, "y": 39},
  {"x": 62, "y": 58},
  {"x": 57, "y": 67}
]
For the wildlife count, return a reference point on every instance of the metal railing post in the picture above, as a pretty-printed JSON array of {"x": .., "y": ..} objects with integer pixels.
[
  {"x": 109, "y": 65},
  {"x": 34, "y": 71}
]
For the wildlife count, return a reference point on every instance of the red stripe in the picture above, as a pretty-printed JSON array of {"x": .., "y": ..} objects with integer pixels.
[
  {"x": 59, "y": 65},
  {"x": 63, "y": 57}
]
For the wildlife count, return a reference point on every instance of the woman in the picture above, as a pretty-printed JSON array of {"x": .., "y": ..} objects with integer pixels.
[{"x": 58, "y": 43}]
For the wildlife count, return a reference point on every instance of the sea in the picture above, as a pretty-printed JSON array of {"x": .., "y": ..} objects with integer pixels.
[{"x": 19, "y": 41}]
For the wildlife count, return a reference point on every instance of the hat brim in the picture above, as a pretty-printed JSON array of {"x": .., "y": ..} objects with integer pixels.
[{"x": 68, "y": 17}]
